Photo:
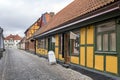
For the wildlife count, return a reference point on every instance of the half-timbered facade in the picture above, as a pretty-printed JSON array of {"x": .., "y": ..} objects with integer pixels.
[
  {"x": 29, "y": 33},
  {"x": 85, "y": 33}
]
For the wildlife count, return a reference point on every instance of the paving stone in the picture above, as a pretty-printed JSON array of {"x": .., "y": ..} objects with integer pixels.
[{"x": 21, "y": 65}]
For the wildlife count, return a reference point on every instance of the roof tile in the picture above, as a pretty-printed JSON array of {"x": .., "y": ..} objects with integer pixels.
[
  {"x": 75, "y": 9},
  {"x": 14, "y": 37}
]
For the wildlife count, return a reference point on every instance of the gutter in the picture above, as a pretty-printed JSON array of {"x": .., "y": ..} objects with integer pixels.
[{"x": 90, "y": 17}]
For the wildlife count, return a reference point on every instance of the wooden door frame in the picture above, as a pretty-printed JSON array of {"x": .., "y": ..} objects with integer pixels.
[{"x": 66, "y": 47}]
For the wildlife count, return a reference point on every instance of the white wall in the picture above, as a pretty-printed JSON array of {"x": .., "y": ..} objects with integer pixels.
[{"x": 11, "y": 44}]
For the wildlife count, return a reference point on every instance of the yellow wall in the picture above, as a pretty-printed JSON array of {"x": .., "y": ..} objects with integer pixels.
[
  {"x": 90, "y": 57},
  {"x": 36, "y": 27},
  {"x": 56, "y": 40},
  {"x": 60, "y": 57},
  {"x": 82, "y": 35},
  {"x": 56, "y": 52},
  {"x": 111, "y": 64},
  {"x": 82, "y": 56},
  {"x": 32, "y": 30},
  {"x": 90, "y": 34},
  {"x": 74, "y": 59},
  {"x": 56, "y": 45},
  {"x": 99, "y": 62},
  {"x": 89, "y": 31},
  {"x": 41, "y": 51}
]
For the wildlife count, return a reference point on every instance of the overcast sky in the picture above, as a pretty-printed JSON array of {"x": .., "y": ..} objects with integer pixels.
[{"x": 17, "y": 15}]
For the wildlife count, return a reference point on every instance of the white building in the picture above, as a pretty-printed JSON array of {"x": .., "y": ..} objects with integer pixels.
[
  {"x": 22, "y": 43},
  {"x": 12, "y": 41}
]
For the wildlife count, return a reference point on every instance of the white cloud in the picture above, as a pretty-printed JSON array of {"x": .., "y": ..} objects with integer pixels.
[{"x": 17, "y": 15}]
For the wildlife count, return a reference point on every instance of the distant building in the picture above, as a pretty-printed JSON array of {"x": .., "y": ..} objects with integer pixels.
[
  {"x": 12, "y": 41},
  {"x": 30, "y": 32},
  {"x": 21, "y": 44}
]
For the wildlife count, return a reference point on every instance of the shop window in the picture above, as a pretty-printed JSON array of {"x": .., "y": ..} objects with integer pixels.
[
  {"x": 106, "y": 37},
  {"x": 41, "y": 43},
  {"x": 74, "y": 42}
]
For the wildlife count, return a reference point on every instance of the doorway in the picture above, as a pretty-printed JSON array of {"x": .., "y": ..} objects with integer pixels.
[{"x": 66, "y": 47}]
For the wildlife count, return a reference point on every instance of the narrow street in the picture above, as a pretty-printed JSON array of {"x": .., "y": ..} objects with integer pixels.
[{"x": 21, "y": 65}]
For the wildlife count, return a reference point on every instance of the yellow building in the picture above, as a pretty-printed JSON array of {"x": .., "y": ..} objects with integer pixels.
[
  {"x": 30, "y": 32},
  {"x": 85, "y": 34}
]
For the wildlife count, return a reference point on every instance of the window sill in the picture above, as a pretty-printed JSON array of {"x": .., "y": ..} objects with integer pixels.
[{"x": 105, "y": 52}]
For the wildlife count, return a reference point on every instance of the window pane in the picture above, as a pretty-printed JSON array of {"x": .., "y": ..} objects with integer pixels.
[
  {"x": 99, "y": 43},
  {"x": 112, "y": 42},
  {"x": 43, "y": 43},
  {"x": 38, "y": 44},
  {"x": 74, "y": 36},
  {"x": 108, "y": 26},
  {"x": 105, "y": 42},
  {"x": 46, "y": 43}
]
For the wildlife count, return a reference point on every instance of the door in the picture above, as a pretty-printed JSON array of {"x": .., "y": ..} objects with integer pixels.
[
  {"x": 66, "y": 47},
  {"x": 49, "y": 44}
]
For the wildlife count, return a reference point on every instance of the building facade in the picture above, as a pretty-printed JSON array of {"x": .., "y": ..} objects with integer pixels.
[
  {"x": 12, "y": 41},
  {"x": 21, "y": 44},
  {"x": 1, "y": 42},
  {"x": 87, "y": 36},
  {"x": 29, "y": 33}
]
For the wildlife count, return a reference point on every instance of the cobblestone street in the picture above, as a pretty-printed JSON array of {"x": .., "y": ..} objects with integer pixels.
[{"x": 20, "y": 65}]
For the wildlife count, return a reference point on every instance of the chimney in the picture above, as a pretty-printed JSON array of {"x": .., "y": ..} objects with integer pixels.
[{"x": 52, "y": 14}]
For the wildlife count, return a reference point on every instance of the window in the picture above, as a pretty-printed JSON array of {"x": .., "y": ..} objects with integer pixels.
[
  {"x": 46, "y": 43},
  {"x": 43, "y": 43},
  {"x": 11, "y": 40},
  {"x": 99, "y": 46},
  {"x": 40, "y": 43},
  {"x": 74, "y": 42},
  {"x": 106, "y": 37},
  {"x": 60, "y": 43},
  {"x": 105, "y": 42},
  {"x": 112, "y": 42},
  {"x": 108, "y": 26}
]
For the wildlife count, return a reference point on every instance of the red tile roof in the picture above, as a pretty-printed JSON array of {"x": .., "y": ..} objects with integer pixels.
[
  {"x": 76, "y": 9},
  {"x": 14, "y": 37}
]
